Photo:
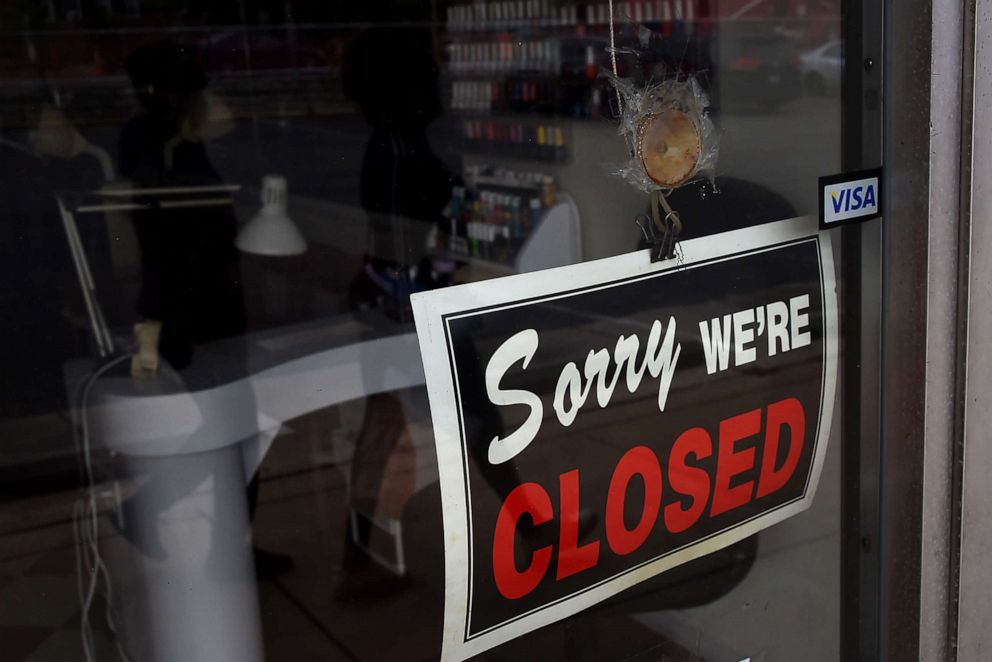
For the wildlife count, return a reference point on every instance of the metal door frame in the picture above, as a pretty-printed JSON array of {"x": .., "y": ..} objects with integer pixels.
[
  {"x": 860, "y": 296},
  {"x": 926, "y": 241}
]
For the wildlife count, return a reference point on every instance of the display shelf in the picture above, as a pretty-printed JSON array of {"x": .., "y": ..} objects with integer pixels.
[
  {"x": 516, "y": 68},
  {"x": 542, "y": 15},
  {"x": 523, "y": 58},
  {"x": 523, "y": 151},
  {"x": 555, "y": 240},
  {"x": 503, "y": 268}
]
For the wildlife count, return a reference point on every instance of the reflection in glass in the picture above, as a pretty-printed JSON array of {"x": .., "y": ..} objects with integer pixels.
[{"x": 272, "y": 398}]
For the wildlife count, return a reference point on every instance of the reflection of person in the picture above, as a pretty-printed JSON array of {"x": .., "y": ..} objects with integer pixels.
[
  {"x": 190, "y": 282},
  {"x": 401, "y": 175},
  {"x": 392, "y": 75},
  {"x": 189, "y": 263},
  {"x": 404, "y": 188}
]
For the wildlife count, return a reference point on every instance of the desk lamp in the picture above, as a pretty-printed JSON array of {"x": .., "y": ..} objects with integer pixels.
[
  {"x": 57, "y": 137},
  {"x": 271, "y": 232}
]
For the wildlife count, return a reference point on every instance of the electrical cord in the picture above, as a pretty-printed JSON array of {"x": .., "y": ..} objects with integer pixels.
[{"x": 92, "y": 575}]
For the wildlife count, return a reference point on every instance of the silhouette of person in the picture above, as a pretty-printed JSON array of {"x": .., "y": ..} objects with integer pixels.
[
  {"x": 190, "y": 279},
  {"x": 404, "y": 188},
  {"x": 189, "y": 263}
]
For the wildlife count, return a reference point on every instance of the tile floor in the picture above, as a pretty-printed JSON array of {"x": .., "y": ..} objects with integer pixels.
[
  {"x": 307, "y": 614},
  {"x": 328, "y": 608}
]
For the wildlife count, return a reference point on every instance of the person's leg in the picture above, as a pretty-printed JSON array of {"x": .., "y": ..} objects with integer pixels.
[
  {"x": 382, "y": 427},
  {"x": 252, "y": 496}
]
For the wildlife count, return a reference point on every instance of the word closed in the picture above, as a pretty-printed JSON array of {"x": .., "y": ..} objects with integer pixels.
[{"x": 699, "y": 495}]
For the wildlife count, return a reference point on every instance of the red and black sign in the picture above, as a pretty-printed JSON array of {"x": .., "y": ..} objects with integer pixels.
[{"x": 608, "y": 431}]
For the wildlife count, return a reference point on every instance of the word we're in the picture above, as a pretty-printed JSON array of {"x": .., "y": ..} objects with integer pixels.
[{"x": 784, "y": 325}]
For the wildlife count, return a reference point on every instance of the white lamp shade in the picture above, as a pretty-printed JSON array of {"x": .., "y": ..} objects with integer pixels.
[
  {"x": 270, "y": 231},
  {"x": 55, "y": 135}
]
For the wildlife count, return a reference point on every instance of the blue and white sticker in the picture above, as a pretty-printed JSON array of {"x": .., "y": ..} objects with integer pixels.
[{"x": 850, "y": 197}]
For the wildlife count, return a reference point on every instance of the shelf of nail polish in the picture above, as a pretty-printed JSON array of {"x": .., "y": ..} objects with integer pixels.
[
  {"x": 544, "y": 59},
  {"x": 529, "y": 14},
  {"x": 515, "y": 139},
  {"x": 517, "y": 93},
  {"x": 504, "y": 55},
  {"x": 574, "y": 97},
  {"x": 642, "y": 11},
  {"x": 522, "y": 182},
  {"x": 509, "y": 14},
  {"x": 491, "y": 218}
]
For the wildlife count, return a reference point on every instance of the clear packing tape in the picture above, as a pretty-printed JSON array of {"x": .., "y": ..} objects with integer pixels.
[{"x": 671, "y": 138}]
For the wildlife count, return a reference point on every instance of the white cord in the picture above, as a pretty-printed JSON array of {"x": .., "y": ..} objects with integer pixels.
[
  {"x": 91, "y": 570},
  {"x": 613, "y": 58}
]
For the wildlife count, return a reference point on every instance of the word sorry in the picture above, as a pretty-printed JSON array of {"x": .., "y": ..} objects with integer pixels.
[{"x": 660, "y": 358}]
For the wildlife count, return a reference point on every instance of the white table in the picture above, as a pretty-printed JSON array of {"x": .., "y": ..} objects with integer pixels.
[{"x": 187, "y": 591}]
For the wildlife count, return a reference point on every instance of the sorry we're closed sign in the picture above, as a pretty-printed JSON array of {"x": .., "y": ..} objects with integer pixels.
[{"x": 600, "y": 423}]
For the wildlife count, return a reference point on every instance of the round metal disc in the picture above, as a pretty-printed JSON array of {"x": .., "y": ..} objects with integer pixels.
[{"x": 669, "y": 147}]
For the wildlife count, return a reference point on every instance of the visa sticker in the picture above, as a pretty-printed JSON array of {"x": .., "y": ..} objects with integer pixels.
[{"x": 849, "y": 197}]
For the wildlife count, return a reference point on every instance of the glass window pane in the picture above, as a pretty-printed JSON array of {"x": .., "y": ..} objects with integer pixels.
[{"x": 219, "y": 443}]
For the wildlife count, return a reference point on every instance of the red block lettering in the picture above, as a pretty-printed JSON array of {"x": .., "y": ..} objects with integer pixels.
[
  {"x": 785, "y": 412},
  {"x": 526, "y": 499},
  {"x": 571, "y": 557},
  {"x": 688, "y": 480},
  {"x": 731, "y": 462},
  {"x": 642, "y": 461}
]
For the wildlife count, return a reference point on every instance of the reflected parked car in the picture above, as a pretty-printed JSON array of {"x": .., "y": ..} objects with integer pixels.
[
  {"x": 821, "y": 69},
  {"x": 760, "y": 70}
]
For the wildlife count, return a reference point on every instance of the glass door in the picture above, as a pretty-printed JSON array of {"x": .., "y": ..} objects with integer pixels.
[{"x": 229, "y": 434}]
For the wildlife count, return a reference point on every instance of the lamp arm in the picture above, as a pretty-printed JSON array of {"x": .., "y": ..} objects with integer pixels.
[
  {"x": 104, "y": 341},
  {"x": 101, "y": 155}
]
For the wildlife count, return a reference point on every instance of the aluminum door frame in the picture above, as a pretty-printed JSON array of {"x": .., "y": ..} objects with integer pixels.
[
  {"x": 926, "y": 237},
  {"x": 974, "y": 588}
]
